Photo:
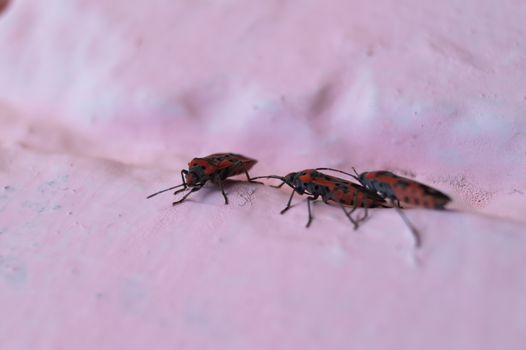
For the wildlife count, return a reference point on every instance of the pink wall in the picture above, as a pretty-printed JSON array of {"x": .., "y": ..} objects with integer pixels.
[{"x": 103, "y": 102}]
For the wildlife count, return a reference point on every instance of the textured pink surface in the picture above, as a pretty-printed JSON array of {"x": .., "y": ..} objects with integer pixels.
[{"x": 101, "y": 103}]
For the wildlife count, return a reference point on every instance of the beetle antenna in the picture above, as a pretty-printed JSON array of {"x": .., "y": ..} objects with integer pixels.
[
  {"x": 168, "y": 189},
  {"x": 357, "y": 177},
  {"x": 274, "y": 177},
  {"x": 340, "y": 171},
  {"x": 269, "y": 177}
]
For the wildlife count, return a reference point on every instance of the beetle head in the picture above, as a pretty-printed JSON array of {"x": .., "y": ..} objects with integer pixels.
[
  {"x": 362, "y": 178},
  {"x": 293, "y": 180},
  {"x": 195, "y": 175}
]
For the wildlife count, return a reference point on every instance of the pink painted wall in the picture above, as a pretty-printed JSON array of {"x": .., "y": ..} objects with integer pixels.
[{"x": 103, "y": 102}]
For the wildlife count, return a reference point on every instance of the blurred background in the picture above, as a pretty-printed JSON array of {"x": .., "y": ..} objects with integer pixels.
[
  {"x": 429, "y": 89},
  {"x": 103, "y": 102}
]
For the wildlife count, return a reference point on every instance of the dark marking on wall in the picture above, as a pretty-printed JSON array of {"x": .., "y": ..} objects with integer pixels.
[
  {"x": 12, "y": 271},
  {"x": 247, "y": 196},
  {"x": 8, "y": 189}
]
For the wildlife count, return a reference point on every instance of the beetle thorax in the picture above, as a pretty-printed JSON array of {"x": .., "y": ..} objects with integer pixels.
[
  {"x": 195, "y": 176},
  {"x": 294, "y": 181}
]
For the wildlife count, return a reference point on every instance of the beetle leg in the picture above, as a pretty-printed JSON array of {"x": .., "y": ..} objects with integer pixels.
[
  {"x": 278, "y": 186},
  {"x": 414, "y": 231},
  {"x": 185, "y": 186},
  {"x": 181, "y": 190},
  {"x": 356, "y": 222},
  {"x": 250, "y": 179},
  {"x": 365, "y": 215},
  {"x": 195, "y": 189},
  {"x": 365, "y": 209},
  {"x": 223, "y": 191},
  {"x": 348, "y": 214},
  {"x": 288, "y": 203},
  {"x": 310, "y": 199}
]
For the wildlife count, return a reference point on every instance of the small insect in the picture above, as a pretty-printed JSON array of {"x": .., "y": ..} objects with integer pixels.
[
  {"x": 399, "y": 189},
  {"x": 216, "y": 167},
  {"x": 329, "y": 188}
]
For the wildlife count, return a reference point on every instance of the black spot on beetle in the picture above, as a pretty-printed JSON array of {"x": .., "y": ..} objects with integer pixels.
[{"x": 402, "y": 184}]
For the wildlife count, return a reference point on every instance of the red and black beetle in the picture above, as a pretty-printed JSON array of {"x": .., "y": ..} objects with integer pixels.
[
  {"x": 216, "y": 168},
  {"x": 399, "y": 189},
  {"x": 329, "y": 188}
]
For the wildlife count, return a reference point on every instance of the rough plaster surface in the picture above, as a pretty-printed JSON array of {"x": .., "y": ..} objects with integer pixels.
[{"x": 102, "y": 103}]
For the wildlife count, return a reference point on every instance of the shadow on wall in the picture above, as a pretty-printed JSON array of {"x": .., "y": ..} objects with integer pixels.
[{"x": 3, "y": 5}]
